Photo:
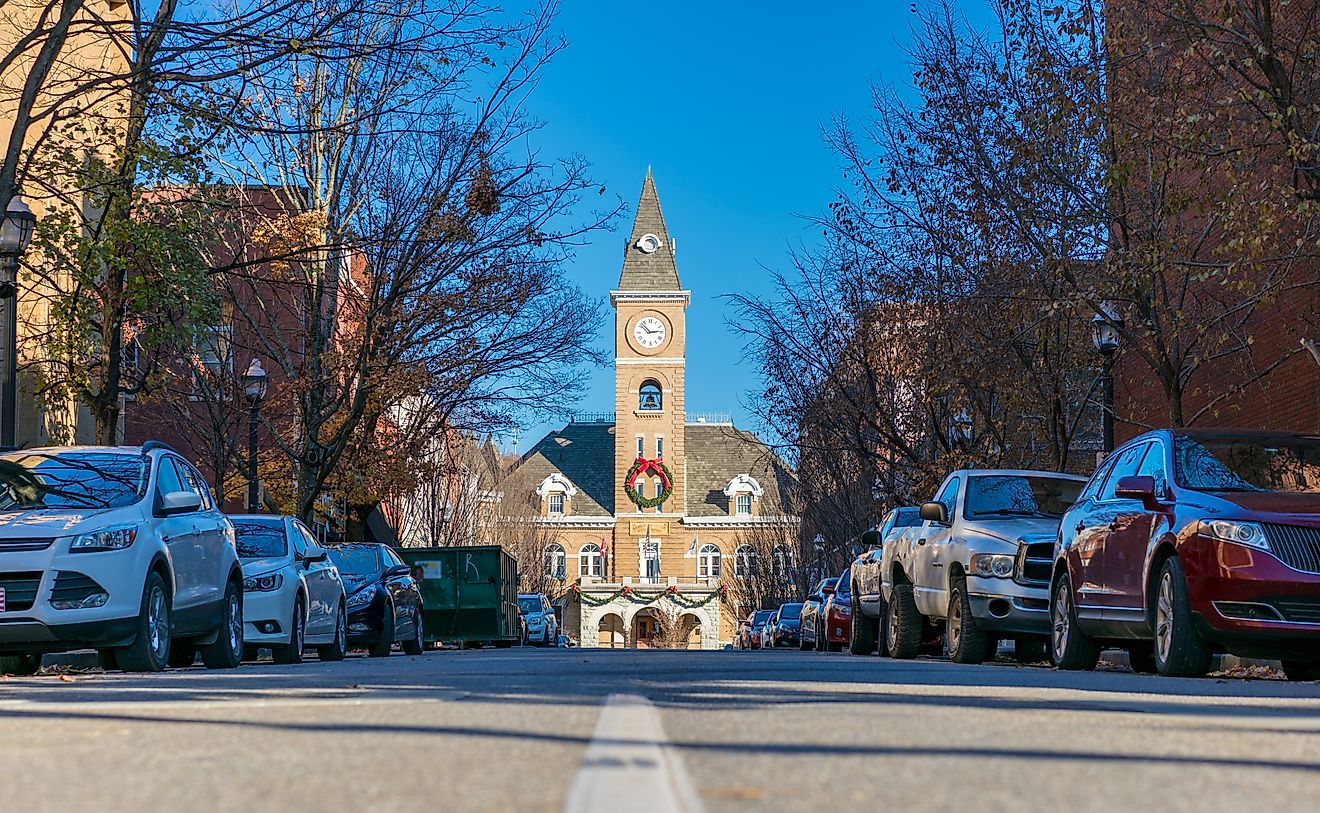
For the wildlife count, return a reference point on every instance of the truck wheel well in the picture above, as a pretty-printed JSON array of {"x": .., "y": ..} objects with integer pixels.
[
  {"x": 899, "y": 577},
  {"x": 956, "y": 573}
]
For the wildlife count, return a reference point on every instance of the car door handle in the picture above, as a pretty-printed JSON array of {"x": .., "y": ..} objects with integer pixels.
[
  {"x": 921, "y": 541},
  {"x": 1080, "y": 527}
]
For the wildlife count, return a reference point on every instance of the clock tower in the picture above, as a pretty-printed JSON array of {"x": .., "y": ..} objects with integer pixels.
[{"x": 649, "y": 350}]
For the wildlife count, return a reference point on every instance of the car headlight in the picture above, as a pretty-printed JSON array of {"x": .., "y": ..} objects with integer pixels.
[
  {"x": 361, "y": 598},
  {"x": 263, "y": 584},
  {"x": 992, "y": 565},
  {"x": 1243, "y": 533},
  {"x": 116, "y": 538}
]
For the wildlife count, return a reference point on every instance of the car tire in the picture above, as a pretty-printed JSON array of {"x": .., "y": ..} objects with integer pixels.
[
  {"x": 416, "y": 645},
  {"x": 383, "y": 647},
  {"x": 183, "y": 654},
  {"x": 292, "y": 652},
  {"x": 967, "y": 642},
  {"x": 1179, "y": 649},
  {"x": 861, "y": 640},
  {"x": 338, "y": 648},
  {"x": 150, "y": 650},
  {"x": 226, "y": 652},
  {"x": 1301, "y": 670},
  {"x": 1030, "y": 650},
  {"x": 20, "y": 665},
  {"x": 107, "y": 660},
  {"x": 1070, "y": 648},
  {"x": 903, "y": 629},
  {"x": 1141, "y": 658}
]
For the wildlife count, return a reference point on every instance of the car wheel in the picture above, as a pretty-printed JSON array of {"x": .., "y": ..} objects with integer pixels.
[
  {"x": 1179, "y": 650},
  {"x": 967, "y": 642},
  {"x": 338, "y": 648},
  {"x": 861, "y": 641},
  {"x": 1030, "y": 650},
  {"x": 106, "y": 658},
  {"x": 150, "y": 650},
  {"x": 292, "y": 652},
  {"x": 1301, "y": 670},
  {"x": 183, "y": 654},
  {"x": 417, "y": 643},
  {"x": 227, "y": 651},
  {"x": 382, "y": 648},
  {"x": 1141, "y": 658},
  {"x": 903, "y": 630},
  {"x": 1070, "y": 648},
  {"x": 20, "y": 665}
]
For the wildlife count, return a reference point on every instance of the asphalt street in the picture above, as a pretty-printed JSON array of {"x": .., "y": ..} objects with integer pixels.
[{"x": 575, "y": 730}]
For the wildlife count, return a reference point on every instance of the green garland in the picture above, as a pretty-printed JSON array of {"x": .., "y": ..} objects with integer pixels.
[
  {"x": 647, "y": 502},
  {"x": 636, "y": 598}
]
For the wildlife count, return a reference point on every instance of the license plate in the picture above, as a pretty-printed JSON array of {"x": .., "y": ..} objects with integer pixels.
[{"x": 2, "y": 599}]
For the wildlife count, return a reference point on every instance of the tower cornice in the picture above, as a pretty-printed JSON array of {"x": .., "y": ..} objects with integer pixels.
[{"x": 650, "y": 296}]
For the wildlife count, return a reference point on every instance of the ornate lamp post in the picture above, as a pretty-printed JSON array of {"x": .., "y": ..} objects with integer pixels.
[
  {"x": 15, "y": 236},
  {"x": 1104, "y": 335},
  {"x": 254, "y": 387}
]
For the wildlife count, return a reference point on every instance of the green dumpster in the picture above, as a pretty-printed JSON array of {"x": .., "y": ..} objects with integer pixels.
[{"x": 469, "y": 594}]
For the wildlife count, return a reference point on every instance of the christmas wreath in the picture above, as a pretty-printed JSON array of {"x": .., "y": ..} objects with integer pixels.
[{"x": 642, "y": 466}]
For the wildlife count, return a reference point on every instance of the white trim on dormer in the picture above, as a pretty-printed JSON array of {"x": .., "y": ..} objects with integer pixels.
[
  {"x": 742, "y": 484},
  {"x": 556, "y": 483}
]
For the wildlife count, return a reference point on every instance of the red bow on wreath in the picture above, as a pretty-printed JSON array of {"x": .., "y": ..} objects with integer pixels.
[{"x": 642, "y": 466}]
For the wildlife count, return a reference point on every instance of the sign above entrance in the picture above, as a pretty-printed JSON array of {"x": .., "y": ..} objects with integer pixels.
[{"x": 640, "y": 528}]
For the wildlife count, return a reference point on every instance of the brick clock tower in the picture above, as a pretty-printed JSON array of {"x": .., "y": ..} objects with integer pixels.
[{"x": 649, "y": 349}]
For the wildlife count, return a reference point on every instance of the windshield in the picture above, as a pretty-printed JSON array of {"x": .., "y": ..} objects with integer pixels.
[
  {"x": 529, "y": 604},
  {"x": 30, "y": 480},
  {"x": 844, "y": 582},
  {"x": 996, "y": 496},
  {"x": 763, "y": 616},
  {"x": 790, "y": 611},
  {"x": 260, "y": 538},
  {"x": 358, "y": 560},
  {"x": 1288, "y": 463}
]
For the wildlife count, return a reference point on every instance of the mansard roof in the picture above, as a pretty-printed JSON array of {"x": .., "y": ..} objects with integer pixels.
[{"x": 716, "y": 454}]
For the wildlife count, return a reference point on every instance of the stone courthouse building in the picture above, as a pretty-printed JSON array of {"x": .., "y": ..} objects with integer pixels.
[{"x": 652, "y": 514}]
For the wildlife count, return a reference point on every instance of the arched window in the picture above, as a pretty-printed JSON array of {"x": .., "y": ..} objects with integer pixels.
[
  {"x": 590, "y": 562},
  {"x": 649, "y": 398},
  {"x": 554, "y": 560},
  {"x": 744, "y": 562},
  {"x": 708, "y": 562}
]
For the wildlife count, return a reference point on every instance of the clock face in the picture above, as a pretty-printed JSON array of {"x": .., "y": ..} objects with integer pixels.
[{"x": 649, "y": 332}]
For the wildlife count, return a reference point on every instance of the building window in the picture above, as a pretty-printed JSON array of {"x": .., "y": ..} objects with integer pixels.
[
  {"x": 708, "y": 562},
  {"x": 659, "y": 490},
  {"x": 782, "y": 562},
  {"x": 744, "y": 562},
  {"x": 641, "y": 446},
  {"x": 649, "y": 398},
  {"x": 554, "y": 560},
  {"x": 744, "y": 503},
  {"x": 590, "y": 562},
  {"x": 659, "y": 446},
  {"x": 556, "y": 503}
]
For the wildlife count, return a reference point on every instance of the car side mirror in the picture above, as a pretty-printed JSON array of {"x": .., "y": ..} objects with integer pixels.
[
  {"x": 1137, "y": 487},
  {"x": 871, "y": 539},
  {"x": 935, "y": 512},
  {"x": 397, "y": 570},
  {"x": 179, "y": 502},
  {"x": 315, "y": 553}
]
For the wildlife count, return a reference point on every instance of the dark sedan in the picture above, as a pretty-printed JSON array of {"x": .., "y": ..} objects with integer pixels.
[
  {"x": 759, "y": 621},
  {"x": 811, "y": 609},
  {"x": 787, "y": 629},
  {"x": 384, "y": 600}
]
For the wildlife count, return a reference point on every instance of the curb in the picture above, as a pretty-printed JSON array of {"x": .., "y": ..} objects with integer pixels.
[
  {"x": 1218, "y": 664},
  {"x": 81, "y": 659}
]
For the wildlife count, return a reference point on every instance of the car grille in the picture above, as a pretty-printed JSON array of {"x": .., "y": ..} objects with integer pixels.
[
  {"x": 1298, "y": 547},
  {"x": 71, "y": 586},
  {"x": 1034, "y": 563},
  {"x": 20, "y": 590},
  {"x": 16, "y": 545},
  {"x": 1302, "y": 610}
]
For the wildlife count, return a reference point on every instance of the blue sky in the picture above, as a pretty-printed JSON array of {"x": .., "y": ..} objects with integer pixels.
[{"x": 725, "y": 102}]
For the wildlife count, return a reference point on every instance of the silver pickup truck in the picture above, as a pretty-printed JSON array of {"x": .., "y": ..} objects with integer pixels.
[{"x": 979, "y": 565}]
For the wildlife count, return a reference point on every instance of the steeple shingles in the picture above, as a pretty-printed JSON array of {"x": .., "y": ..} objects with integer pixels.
[{"x": 654, "y": 271}]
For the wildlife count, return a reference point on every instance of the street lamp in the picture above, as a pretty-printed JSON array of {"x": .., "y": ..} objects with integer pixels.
[
  {"x": 962, "y": 430},
  {"x": 254, "y": 387},
  {"x": 15, "y": 236},
  {"x": 1104, "y": 335}
]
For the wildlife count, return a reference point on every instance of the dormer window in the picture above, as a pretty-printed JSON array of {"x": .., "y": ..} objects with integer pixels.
[
  {"x": 743, "y": 491},
  {"x": 649, "y": 398},
  {"x": 557, "y": 503},
  {"x": 744, "y": 504},
  {"x": 556, "y": 493}
]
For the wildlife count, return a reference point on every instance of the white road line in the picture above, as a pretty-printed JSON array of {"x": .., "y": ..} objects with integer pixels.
[{"x": 630, "y": 759}]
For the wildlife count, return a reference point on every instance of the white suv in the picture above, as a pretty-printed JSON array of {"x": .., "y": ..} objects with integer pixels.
[{"x": 120, "y": 549}]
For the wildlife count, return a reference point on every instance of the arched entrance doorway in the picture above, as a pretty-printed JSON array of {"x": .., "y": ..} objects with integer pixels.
[
  {"x": 645, "y": 629},
  {"x": 691, "y": 626},
  {"x": 610, "y": 631}
]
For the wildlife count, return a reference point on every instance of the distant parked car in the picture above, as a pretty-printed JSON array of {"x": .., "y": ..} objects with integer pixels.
[
  {"x": 785, "y": 628},
  {"x": 1189, "y": 542},
  {"x": 978, "y": 566},
  {"x": 742, "y": 637},
  {"x": 384, "y": 600},
  {"x": 868, "y": 604},
  {"x": 835, "y": 629},
  {"x": 811, "y": 612},
  {"x": 759, "y": 620},
  {"x": 542, "y": 627},
  {"x": 293, "y": 596},
  {"x": 118, "y": 549}
]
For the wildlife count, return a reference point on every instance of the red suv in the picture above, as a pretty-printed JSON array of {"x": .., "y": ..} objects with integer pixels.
[{"x": 1189, "y": 542}]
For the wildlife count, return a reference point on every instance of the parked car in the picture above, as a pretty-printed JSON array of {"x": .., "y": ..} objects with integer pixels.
[
  {"x": 835, "y": 616},
  {"x": 1189, "y": 542},
  {"x": 384, "y": 601},
  {"x": 293, "y": 596},
  {"x": 785, "y": 629},
  {"x": 979, "y": 565},
  {"x": 767, "y": 631},
  {"x": 759, "y": 620},
  {"x": 542, "y": 626},
  {"x": 118, "y": 549},
  {"x": 742, "y": 637},
  {"x": 810, "y": 623},
  {"x": 868, "y": 605}
]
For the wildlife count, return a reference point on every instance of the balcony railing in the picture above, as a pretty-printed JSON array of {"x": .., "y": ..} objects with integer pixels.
[{"x": 714, "y": 418}]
